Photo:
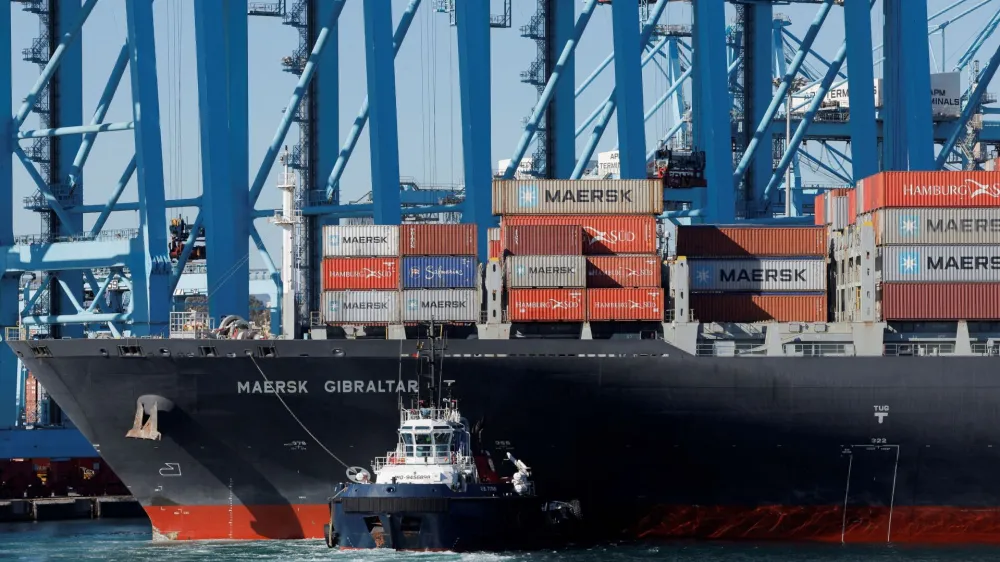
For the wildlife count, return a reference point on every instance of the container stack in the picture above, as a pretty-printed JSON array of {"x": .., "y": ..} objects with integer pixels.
[
  {"x": 937, "y": 245},
  {"x": 440, "y": 273},
  {"x": 756, "y": 273},
  {"x": 361, "y": 274},
  {"x": 576, "y": 251}
]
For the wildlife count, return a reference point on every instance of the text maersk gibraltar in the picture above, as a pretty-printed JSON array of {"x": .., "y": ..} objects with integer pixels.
[{"x": 342, "y": 387}]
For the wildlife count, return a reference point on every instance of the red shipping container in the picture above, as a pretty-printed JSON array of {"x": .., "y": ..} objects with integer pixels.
[
  {"x": 360, "y": 273},
  {"x": 931, "y": 189},
  {"x": 602, "y": 234},
  {"x": 610, "y": 272},
  {"x": 940, "y": 301},
  {"x": 625, "y": 304},
  {"x": 495, "y": 247},
  {"x": 437, "y": 240},
  {"x": 819, "y": 212},
  {"x": 546, "y": 305},
  {"x": 747, "y": 307},
  {"x": 741, "y": 241},
  {"x": 543, "y": 240},
  {"x": 852, "y": 206}
]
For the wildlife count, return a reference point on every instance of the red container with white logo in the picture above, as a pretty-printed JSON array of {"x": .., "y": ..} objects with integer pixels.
[
  {"x": 929, "y": 189},
  {"x": 437, "y": 240},
  {"x": 543, "y": 240},
  {"x": 546, "y": 305},
  {"x": 602, "y": 234},
  {"x": 360, "y": 273},
  {"x": 625, "y": 304},
  {"x": 612, "y": 272}
]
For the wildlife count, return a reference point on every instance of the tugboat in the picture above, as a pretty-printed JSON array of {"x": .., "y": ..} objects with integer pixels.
[{"x": 433, "y": 494}]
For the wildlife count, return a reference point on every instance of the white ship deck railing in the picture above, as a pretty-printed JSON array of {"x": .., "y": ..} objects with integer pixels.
[
  {"x": 429, "y": 414},
  {"x": 399, "y": 459}
]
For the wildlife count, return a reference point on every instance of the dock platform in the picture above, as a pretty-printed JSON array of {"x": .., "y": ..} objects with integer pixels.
[{"x": 66, "y": 508}]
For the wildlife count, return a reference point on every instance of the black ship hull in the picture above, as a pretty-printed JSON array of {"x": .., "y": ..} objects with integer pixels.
[{"x": 255, "y": 435}]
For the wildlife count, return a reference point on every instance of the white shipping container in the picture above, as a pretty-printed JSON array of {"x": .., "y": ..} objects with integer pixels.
[
  {"x": 763, "y": 274},
  {"x": 524, "y": 171},
  {"x": 577, "y": 197},
  {"x": 838, "y": 212},
  {"x": 361, "y": 307},
  {"x": 524, "y": 272},
  {"x": 946, "y": 94},
  {"x": 932, "y": 225},
  {"x": 360, "y": 241},
  {"x": 939, "y": 264},
  {"x": 441, "y": 305}
]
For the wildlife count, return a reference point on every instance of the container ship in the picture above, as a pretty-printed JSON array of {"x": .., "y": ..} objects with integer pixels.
[{"x": 834, "y": 382}]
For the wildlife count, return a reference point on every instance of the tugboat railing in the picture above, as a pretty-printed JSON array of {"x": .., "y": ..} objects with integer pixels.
[
  {"x": 399, "y": 458},
  {"x": 429, "y": 414}
]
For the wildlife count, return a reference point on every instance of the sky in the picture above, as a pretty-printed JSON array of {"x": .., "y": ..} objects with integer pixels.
[{"x": 426, "y": 82}]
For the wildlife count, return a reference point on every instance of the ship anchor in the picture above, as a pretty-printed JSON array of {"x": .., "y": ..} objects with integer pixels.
[{"x": 147, "y": 430}]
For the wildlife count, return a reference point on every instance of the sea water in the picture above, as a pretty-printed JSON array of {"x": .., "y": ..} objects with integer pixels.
[{"x": 113, "y": 541}]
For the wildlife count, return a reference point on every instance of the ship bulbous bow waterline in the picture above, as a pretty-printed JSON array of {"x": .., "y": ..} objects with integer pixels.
[{"x": 223, "y": 439}]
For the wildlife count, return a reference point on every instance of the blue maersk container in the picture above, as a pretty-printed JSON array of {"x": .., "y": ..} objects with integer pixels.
[{"x": 439, "y": 272}]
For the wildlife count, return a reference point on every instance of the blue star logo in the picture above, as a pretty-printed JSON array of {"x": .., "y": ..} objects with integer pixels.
[
  {"x": 527, "y": 196},
  {"x": 909, "y": 263},
  {"x": 703, "y": 276},
  {"x": 334, "y": 239},
  {"x": 334, "y": 306},
  {"x": 519, "y": 270},
  {"x": 909, "y": 226},
  {"x": 413, "y": 304}
]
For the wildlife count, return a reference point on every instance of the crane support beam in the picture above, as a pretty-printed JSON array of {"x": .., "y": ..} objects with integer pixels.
[
  {"x": 8, "y": 283},
  {"x": 758, "y": 72},
  {"x": 628, "y": 89},
  {"x": 909, "y": 141},
  {"x": 561, "y": 116},
  {"x": 970, "y": 107},
  {"x": 381, "y": 78},
  {"x": 858, "y": 32},
  {"x": 87, "y": 143}
]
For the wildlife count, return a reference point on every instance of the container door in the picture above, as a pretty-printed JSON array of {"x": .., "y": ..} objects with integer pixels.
[{"x": 870, "y": 492}]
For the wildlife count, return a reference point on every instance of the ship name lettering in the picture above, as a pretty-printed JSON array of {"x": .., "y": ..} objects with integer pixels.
[
  {"x": 272, "y": 387},
  {"x": 588, "y": 195},
  {"x": 964, "y": 262},
  {"x": 758, "y": 275},
  {"x": 363, "y": 387},
  {"x": 964, "y": 225}
]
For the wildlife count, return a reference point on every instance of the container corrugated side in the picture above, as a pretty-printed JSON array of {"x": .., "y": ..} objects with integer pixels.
[
  {"x": 523, "y": 272},
  {"x": 361, "y": 307},
  {"x": 625, "y": 304},
  {"x": 931, "y": 189},
  {"x": 611, "y": 272},
  {"x": 441, "y": 305},
  {"x": 602, "y": 234},
  {"x": 939, "y": 264},
  {"x": 495, "y": 246},
  {"x": 437, "y": 240},
  {"x": 758, "y": 275},
  {"x": 360, "y": 240},
  {"x": 751, "y": 307},
  {"x": 546, "y": 305},
  {"x": 839, "y": 213},
  {"x": 931, "y": 225},
  {"x": 360, "y": 273},
  {"x": 439, "y": 272},
  {"x": 577, "y": 197},
  {"x": 819, "y": 210},
  {"x": 741, "y": 241},
  {"x": 939, "y": 301},
  {"x": 542, "y": 240}
]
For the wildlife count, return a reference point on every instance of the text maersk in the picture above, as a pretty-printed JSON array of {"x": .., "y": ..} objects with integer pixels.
[
  {"x": 588, "y": 196},
  {"x": 336, "y": 238},
  {"x": 971, "y": 263},
  {"x": 963, "y": 225},
  {"x": 342, "y": 387},
  {"x": 762, "y": 274}
]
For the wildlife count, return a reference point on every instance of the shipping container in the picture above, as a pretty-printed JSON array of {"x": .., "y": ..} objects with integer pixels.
[
  {"x": 759, "y": 241},
  {"x": 545, "y": 271},
  {"x": 839, "y": 212},
  {"x": 361, "y": 307},
  {"x": 495, "y": 246},
  {"x": 939, "y": 264},
  {"x": 602, "y": 234},
  {"x": 440, "y": 272},
  {"x": 546, "y": 305},
  {"x": 538, "y": 240},
  {"x": 930, "y": 189},
  {"x": 437, "y": 240},
  {"x": 758, "y": 275},
  {"x": 360, "y": 273},
  {"x": 577, "y": 197},
  {"x": 931, "y": 225},
  {"x": 441, "y": 305},
  {"x": 751, "y": 307},
  {"x": 820, "y": 217},
  {"x": 360, "y": 240},
  {"x": 611, "y": 272},
  {"x": 31, "y": 385},
  {"x": 939, "y": 301},
  {"x": 625, "y": 304}
]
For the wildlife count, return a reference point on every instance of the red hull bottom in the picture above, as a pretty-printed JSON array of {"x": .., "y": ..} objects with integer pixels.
[{"x": 908, "y": 524}]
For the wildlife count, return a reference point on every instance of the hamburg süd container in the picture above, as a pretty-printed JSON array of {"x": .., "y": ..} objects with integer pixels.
[
  {"x": 539, "y": 240},
  {"x": 611, "y": 272},
  {"x": 360, "y": 273},
  {"x": 440, "y": 272},
  {"x": 752, "y": 307},
  {"x": 931, "y": 225},
  {"x": 929, "y": 189},
  {"x": 437, "y": 240},
  {"x": 625, "y": 304},
  {"x": 361, "y": 307},
  {"x": 360, "y": 240},
  {"x": 577, "y": 197},
  {"x": 545, "y": 271},
  {"x": 495, "y": 249},
  {"x": 939, "y": 301},
  {"x": 758, "y": 275},
  {"x": 546, "y": 305},
  {"x": 757, "y": 241},
  {"x": 939, "y": 264},
  {"x": 440, "y": 305},
  {"x": 602, "y": 234}
]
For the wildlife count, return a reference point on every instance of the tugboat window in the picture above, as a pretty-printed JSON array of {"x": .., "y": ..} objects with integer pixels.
[
  {"x": 442, "y": 442},
  {"x": 424, "y": 444}
]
